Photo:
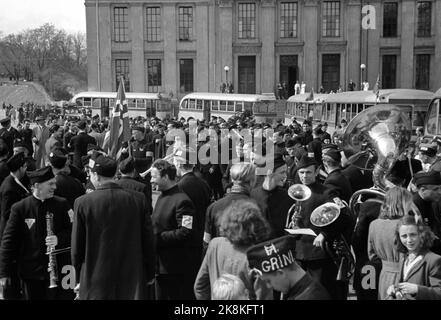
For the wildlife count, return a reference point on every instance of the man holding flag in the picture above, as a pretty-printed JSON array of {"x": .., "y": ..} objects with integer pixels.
[{"x": 119, "y": 124}]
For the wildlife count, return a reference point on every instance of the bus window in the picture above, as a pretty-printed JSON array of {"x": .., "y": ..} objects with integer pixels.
[
  {"x": 271, "y": 107},
  {"x": 215, "y": 105},
  {"x": 131, "y": 103},
  {"x": 359, "y": 108},
  {"x": 87, "y": 102},
  {"x": 223, "y": 106},
  {"x": 140, "y": 103},
  {"x": 248, "y": 106},
  {"x": 354, "y": 110},
  {"x": 432, "y": 119},
  {"x": 230, "y": 106},
  {"x": 207, "y": 105},
  {"x": 240, "y": 106},
  {"x": 418, "y": 118},
  {"x": 318, "y": 114},
  {"x": 191, "y": 104},
  {"x": 199, "y": 104},
  {"x": 184, "y": 104},
  {"x": 96, "y": 103}
]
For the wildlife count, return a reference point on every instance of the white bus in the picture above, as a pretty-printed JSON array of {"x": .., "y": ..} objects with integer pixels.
[
  {"x": 139, "y": 103},
  {"x": 224, "y": 105}
]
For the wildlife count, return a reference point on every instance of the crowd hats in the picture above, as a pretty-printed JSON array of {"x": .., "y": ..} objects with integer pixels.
[
  {"x": 428, "y": 149},
  {"x": 82, "y": 125},
  {"x": 279, "y": 161},
  {"x": 16, "y": 162},
  {"x": 272, "y": 255},
  {"x": 427, "y": 178},
  {"x": 332, "y": 153},
  {"x": 5, "y": 121},
  {"x": 127, "y": 165},
  {"x": 138, "y": 128},
  {"x": 306, "y": 161},
  {"x": 40, "y": 175},
  {"x": 58, "y": 158},
  {"x": 103, "y": 165}
]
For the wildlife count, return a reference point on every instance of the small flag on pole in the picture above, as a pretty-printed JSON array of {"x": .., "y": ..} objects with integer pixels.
[
  {"x": 119, "y": 126},
  {"x": 311, "y": 95},
  {"x": 376, "y": 89}
]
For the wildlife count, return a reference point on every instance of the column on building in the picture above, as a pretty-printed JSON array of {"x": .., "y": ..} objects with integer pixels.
[
  {"x": 268, "y": 77},
  {"x": 226, "y": 42},
  {"x": 370, "y": 45},
  {"x": 92, "y": 49},
  {"x": 202, "y": 45},
  {"x": 170, "y": 73},
  {"x": 137, "y": 71},
  {"x": 309, "y": 70},
  {"x": 408, "y": 13},
  {"x": 353, "y": 28}
]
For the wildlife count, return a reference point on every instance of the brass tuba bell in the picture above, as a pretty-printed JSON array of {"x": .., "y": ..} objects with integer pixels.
[
  {"x": 298, "y": 192},
  {"x": 379, "y": 134}
]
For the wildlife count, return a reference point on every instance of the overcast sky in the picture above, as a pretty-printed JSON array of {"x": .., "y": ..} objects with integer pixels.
[{"x": 18, "y": 15}]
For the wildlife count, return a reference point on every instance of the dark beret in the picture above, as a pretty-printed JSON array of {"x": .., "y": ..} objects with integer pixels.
[
  {"x": 272, "y": 255},
  {"x": 58, "y": 158},
  {"x": 427, "y": 178},
  {"x": 103, "y": 165},
  {"x": 332, "y": 153},
  {"x": 16, "y": 162},
  {"x": 139, "y": 128},
  {"x": 40, "y": 175},
  {"x": 127, "y": 165},
  {"x": 5, "y": 121},
  {"x": 278, "y": 161},
  {"x": 306, "y": 161}
]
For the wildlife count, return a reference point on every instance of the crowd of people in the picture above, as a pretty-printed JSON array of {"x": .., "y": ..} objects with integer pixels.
[{"x": 218, "y": 229}]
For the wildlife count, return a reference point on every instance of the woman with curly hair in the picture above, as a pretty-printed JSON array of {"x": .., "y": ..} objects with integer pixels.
[
  {"x": 382, "y": 244},
  {"x": 420, "y": 268},
  {"x": 242, "y": 225}
]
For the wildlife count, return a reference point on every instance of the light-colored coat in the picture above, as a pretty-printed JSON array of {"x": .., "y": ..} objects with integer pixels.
[{"x": 42, "y": 134}]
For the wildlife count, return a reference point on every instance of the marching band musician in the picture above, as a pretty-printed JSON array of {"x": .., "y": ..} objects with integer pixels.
[
  {"x": 141, "y": 150},
  {"x": 112, "y": 238},
  {"x": 335, "y": 179},
  {"x": 310, "y": 251},
  {"x": 25, "y": 238}
]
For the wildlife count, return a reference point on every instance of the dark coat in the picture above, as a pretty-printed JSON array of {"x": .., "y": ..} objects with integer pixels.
[
  {"x": 307, "y": 289},
  {"x": 173, "y": 222},
  {"x": 10, "y": 193},
  {"x": 4, "y": 170},
  {"x": 25, "y": 234},
  {"x": 199, "y": 193},
  {"x": 8, "y": 136},
  {"x": 337, "y": 181},
  {"x": 426, "y": 274},
  {"x": 431, "y": 213},
  {"x": 357, "y": 178},
  {"x": 79, "y": 145},
  {"x": 112, "y": 244},
  {"x": 315, "y": 147},
  {"x": 68, "y": 187},
  {"x": 131, "y": 184},
  {"x": 275, "y": 205},
  {"x": 26, "y": 135}
]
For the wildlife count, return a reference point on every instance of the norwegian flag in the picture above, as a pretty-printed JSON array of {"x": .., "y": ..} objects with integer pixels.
[{"x": 119, "y": 126}]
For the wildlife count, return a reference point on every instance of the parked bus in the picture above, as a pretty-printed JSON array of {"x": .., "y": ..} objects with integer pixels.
[
  {"x": 302, "y": 107},
  {"x": 346, "y": 105},
  {"x": 224, "y": 105},
  {"x": 139, "y": 104},
  {"x": 432, "y": 125}
]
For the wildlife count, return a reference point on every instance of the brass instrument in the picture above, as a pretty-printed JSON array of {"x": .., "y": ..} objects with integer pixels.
[
  {"x": 299, "y": 193},
  {"x": 339, "y": 250},
  {"x": 379, "y": 134},
  {"x": 52, "y": 266}
]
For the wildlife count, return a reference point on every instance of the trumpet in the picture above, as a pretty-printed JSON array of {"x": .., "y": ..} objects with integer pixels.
[
  {"x": 52, "y": 266},
  {"x": 299, "y": 193},
  {"x": 166, "y": 158}
]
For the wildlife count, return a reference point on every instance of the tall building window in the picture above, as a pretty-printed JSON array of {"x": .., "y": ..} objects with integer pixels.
[
  {"x": 424, "y": 18},
  {"x": 331, "y": 19},
  {"x": 422, "y": 80},
  {"x": 390, "y": 20},
  {"x": 288, "y": 20},
  {"x": 247, "y": 20},
  {"x": 389, "y": 75},
  {"x": 185, "y": 23},
  {"x": 120, "y": 24},
  {"x": 331, "y": 71},
  {"x": 154, "y": 78},
  {"x": 153, "y": 22},
  {"x": 122, "y": 69},
  {"x": 186, "y": 75}
]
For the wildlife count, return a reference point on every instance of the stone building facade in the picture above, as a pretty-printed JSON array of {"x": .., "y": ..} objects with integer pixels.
[{"x": 176, "y": 47}]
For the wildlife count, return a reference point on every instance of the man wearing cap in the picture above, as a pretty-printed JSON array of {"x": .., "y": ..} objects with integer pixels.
[
  {"x": 295, "y": 152},
  {"x": 306, "y": 135},
  {"x": 113, "y": 249},
  {"x": 309, "y": 250},
  {"x": 26, "y": 136},
  {"x": 21, "y": 147},
  {"x": 429, "y": 158},
  {"x": 199, "y": 193},
  {"x": 40, "y": 134},
  {"x": 25, "y": 238},
  {"x": 428, "y": 201},
  {"x": 141, "y": 150},
  {"x": 272, "y": 197},
  {"x": 335, "y": 179},
  {"x": 79, "y": 143},
  {"x": 315, "y": 146},
  {"x": 274, "y": 261},
  {"x": 8, "y": 134},
  {"x": 68, "y": 187},
  {"x": 55, "y": 139},
  {"x": 173, "y": 225},
  {"x": 128, "y": 181},
  {"x": 96, "y": 134}
]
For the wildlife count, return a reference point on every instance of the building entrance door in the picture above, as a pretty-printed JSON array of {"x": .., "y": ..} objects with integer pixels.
[
  {"x": 247, "y": 74},
  {"x": 331, "y": 72},
  {"x": 288, "y": 73}
]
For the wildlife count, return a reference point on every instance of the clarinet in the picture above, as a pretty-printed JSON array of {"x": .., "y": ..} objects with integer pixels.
[{"x": 52, "y": 266}]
